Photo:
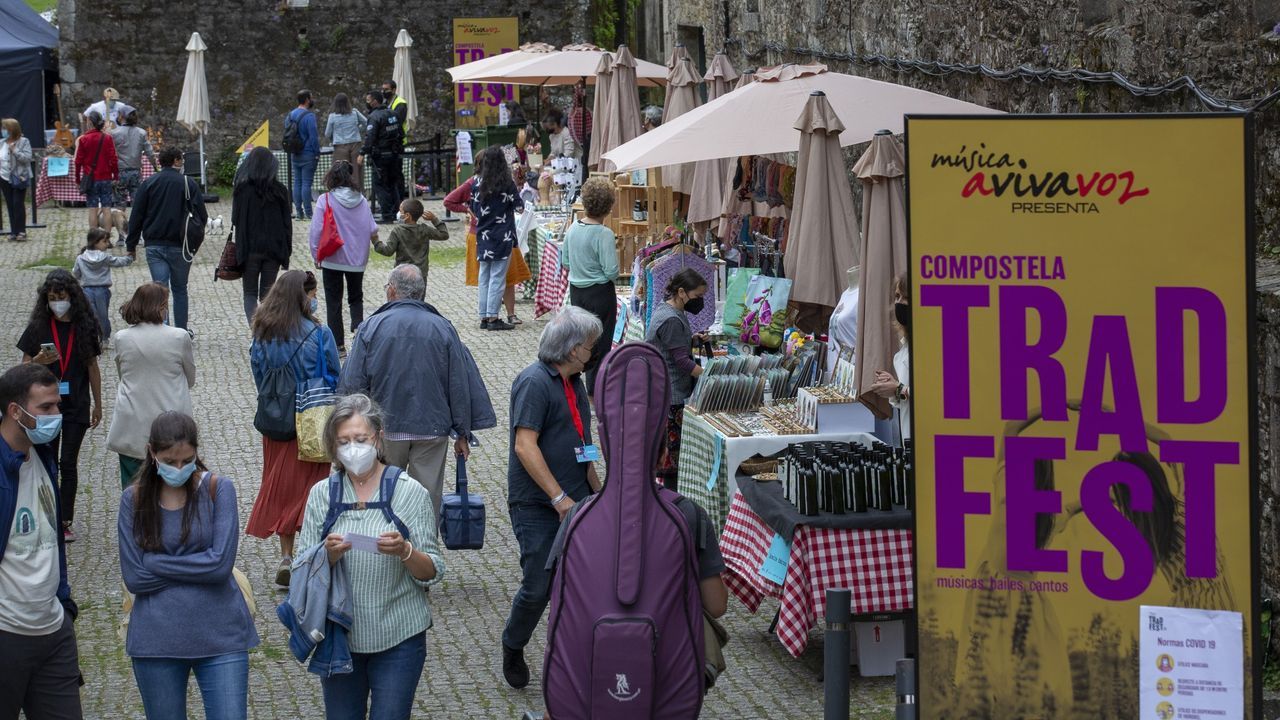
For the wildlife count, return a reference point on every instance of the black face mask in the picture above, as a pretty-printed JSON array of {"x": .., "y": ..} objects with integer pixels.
[
  {"x": 693, "y": 306},
  {"x": 902, "y": 313},
  {"x": 369, "y": 106}
]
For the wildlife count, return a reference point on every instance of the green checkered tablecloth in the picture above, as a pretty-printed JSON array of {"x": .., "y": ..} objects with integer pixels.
[
  {"x": 700, "y": 448},
  {"x": 324, "y": 162}
]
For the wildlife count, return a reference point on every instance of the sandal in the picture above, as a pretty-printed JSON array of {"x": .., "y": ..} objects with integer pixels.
[{"x": 514, "y": 320}]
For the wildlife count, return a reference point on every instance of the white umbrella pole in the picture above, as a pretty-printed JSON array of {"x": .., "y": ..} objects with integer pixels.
[{"x": 203, "y": 184}]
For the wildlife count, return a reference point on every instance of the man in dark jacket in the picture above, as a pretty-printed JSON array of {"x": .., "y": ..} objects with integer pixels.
[
  {"x": 41, "y": 664},
  {"x": 410, "y": 360},
  {"x": 160, "y": 219},
  {"x": 384, "y": 146}
]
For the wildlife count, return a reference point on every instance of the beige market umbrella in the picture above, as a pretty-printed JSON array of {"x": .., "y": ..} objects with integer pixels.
[
  {"x": 600, "y": 109},
  {"x": 623, "y": 120},
  {"x": 682, "y": 97},
  {"x": 678, "y": 53},
  {"x": 757, "y": 119},
  {"x": 823, "y": 241},
  {"x": 193, "y": 104},
  {"x": 710, "y": 176},
  {"x": 480, "y": 68},
  {"x": 402, "y": 75},
  {"x": 563, "y": 67},
  {"x": 884, "y": 257},
  {"x": 730, "y": 200}
]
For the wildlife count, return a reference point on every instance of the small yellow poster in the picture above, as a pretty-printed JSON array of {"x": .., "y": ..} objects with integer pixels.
[
  {"x": 476, "y": 105},
  {"x": 259, "y": 137},
  {"x": 1083, "y": 403}
]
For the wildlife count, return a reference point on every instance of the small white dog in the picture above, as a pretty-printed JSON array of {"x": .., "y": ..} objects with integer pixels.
[{"x": 214, "y": 224}]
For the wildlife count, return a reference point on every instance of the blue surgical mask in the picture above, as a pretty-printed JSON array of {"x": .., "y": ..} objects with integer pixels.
[
  {"x": 46, "y": 429},
  {"x": 315, "y": 305},
  {"x": 174, "y": 476},
  {"x": 4, "y": 134}
]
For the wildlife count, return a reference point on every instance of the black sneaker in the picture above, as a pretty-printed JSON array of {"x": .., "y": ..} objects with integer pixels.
[
  {"x": 484, "y": 324},
  {"x": 500, "y": 324},
  {"x": 514, "y": 668}
]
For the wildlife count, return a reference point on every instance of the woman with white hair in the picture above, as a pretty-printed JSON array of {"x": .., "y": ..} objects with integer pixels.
[
  {"x": 550, "y": 467},
  {"x": 385, "y": 508}
]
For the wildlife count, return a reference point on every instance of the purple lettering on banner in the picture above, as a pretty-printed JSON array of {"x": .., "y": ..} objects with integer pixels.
[
  {"x": 1017, "y": 356},
  {"x": 1109, "y": 348},
  {"x": 1025, "y": 502},
  {"x": 1198, "y": 459},
  {"x": 954, "y": 502},
  {"x": 955, "y": 301},
  {"x": 1139, "y": 563},
  {"x": 1172, "y": 405}
]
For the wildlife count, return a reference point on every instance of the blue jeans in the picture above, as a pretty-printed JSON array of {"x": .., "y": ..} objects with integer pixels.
[
  {"x": 535, "y": 527},
  {"x": 493, "y": 282},
  {"x": 170, "y": 268},
  {"x": 304, "y": 174},
  {"x": 389, "y": 678},
  {"x": 223, "y": 681},
  {"x": 99, "y": 297}
]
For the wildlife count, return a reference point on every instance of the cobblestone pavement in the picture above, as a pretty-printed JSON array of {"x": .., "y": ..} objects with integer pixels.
[{"x": 463, "y": 677}]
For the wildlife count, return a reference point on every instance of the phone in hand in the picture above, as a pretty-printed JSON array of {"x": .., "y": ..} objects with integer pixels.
[{"x": 48, "y": 347}]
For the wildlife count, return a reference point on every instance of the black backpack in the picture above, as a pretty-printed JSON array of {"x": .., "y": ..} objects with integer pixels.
[
  {"x": 292, "y": 142},
  {"x": 277, "y": 399},
  {"x": 386, "y": 491}
]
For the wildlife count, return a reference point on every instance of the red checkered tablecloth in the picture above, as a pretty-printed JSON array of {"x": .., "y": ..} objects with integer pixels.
[
  {"x": 874, "y": 564},
  {"x": 553, "y": 280},
  {"x": 64, "y": 189}
]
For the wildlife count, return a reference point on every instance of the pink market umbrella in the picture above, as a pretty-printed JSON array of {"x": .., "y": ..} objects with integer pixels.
[
  {"x": 600, "y": 109},
  {"x": 623, "y": 120},
  {"x": 884, "y": 257},
  {"x": 824, "y": 233},
  {"x": 682, "y": 97},
  {"x": 710, "y": 176},
  {"x": 757, "y": 119},
  {"x": 564, "y": 67}
]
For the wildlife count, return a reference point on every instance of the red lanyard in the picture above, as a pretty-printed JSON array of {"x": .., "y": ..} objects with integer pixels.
[
  {"x": 63, "y": 362},
  {"x": 572, "y": 397}
]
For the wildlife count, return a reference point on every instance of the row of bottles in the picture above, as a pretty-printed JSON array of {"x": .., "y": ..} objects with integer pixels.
[{"x": 841, "y": 478}]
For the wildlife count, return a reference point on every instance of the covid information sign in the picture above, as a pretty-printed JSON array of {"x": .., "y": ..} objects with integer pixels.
[{"x": 1083, "y": 402}]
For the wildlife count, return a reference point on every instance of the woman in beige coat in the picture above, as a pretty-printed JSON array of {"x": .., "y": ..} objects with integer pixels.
[{"x": 157, "y": 370}]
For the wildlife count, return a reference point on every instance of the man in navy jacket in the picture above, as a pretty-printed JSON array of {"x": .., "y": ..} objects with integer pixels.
[{"x": 42, "y": 665}]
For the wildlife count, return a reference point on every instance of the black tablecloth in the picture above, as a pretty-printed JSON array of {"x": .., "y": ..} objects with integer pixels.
[{"x": 766, "y": 500}]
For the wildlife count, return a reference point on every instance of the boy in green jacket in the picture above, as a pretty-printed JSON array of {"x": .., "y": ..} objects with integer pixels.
[{"x": 410, "y": 241}]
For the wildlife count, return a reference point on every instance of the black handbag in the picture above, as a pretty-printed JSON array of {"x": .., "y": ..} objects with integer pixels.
[
  {"x": 227, "y": 268},
  {"x": 462, "y": 515}
]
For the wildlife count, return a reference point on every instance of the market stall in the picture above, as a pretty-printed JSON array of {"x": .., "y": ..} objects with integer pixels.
[{"x": 57, "y": 180}]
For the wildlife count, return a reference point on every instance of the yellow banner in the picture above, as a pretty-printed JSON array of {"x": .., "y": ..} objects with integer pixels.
[
  {"x": 1082, "y": 402},
  {"x": 476, "y": 104},
  {"x": 259, "y": 137}
]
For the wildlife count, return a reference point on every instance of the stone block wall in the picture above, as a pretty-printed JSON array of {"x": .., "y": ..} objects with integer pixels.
[
  {"x": 261, "y": 53},
  {"x": 1229, "y": 48}
]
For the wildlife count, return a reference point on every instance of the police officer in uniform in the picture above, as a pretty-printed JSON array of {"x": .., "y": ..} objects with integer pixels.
[{"x": 384, "y": 146}]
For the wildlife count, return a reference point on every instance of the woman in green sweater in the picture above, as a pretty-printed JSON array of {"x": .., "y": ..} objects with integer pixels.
[{"x": 591, "y": 255}]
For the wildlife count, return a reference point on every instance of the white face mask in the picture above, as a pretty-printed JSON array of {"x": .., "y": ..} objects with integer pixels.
[
  {"x": 357, "y": 458},
  {"x": 60, "y": 307}
]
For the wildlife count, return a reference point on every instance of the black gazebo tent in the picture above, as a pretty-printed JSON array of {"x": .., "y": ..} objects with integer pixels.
[{"x": 27, "y": 44}]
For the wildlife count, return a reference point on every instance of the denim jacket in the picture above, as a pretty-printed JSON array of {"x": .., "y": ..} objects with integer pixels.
[{"x": 318, "y": 613}]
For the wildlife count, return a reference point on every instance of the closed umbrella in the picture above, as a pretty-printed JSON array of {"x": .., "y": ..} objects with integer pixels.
[
  {"x": 678, "y": 53},
  {"x": 193, "y": 105},
  {"x": 682, "y": 96},
  {"x": 757, "y": 119},
  {"x": 884, "y": 257},
  {"x": 600, "y": 109},
  {"x": 623, "y": 119},
  {"x": 709, "y": 176},
  {"x": 402, "y": 74},
  {"x": 824, "y": 233}
]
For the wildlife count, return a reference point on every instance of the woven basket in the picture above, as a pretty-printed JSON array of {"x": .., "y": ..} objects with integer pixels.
[{"x": 757, "y": 465}]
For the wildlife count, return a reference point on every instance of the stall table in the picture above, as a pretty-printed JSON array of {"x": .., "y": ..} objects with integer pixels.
[
  {"x": 875, "y": 565},
  {"x": 709, "y": 460},
  {"x": 63, "y": 188}
]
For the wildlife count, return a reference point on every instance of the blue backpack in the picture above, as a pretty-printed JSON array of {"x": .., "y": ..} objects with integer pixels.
[{"x": 386, "y": 491}]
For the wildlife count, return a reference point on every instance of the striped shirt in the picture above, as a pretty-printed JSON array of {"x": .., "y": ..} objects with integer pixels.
[{"x": 390, "y": 606}]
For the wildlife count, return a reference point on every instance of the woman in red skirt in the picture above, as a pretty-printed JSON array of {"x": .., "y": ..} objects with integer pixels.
[{"x": 286, "y": 332}]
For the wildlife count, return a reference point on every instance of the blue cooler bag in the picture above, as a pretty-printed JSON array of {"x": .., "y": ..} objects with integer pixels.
[{"x": 462, "y": 515}]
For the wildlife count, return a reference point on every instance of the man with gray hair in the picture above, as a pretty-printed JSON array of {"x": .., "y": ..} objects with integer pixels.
[
  {"x": 550, "y": 467},
  {"x": 410, "y": 360}
]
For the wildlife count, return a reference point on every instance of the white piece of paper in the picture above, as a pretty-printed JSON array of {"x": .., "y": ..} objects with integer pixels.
[
  {"x": 363, "y": 543},
  {"x": 1192, "y": 663},
  {"x": 463, "y": 141}
]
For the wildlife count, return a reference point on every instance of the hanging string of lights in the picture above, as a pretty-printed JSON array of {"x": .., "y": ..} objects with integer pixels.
[{"x": 1026, "y": 73}]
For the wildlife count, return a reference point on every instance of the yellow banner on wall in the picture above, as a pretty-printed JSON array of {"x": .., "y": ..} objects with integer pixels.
[
  {"x": 476, "y": 104},
  {"x": 1082, "y": 397},
  {"x": 259, "y": 137}
]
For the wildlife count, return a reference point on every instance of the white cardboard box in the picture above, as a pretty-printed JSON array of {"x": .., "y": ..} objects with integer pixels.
[
  {"x": 880, "y": 645},
  {"x": 833, "y": 417}
]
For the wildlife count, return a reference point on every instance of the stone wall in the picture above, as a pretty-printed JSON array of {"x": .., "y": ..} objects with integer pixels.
[
  {"x": 260, "y": 54},
  {"x": 1228, "y": 47}
]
